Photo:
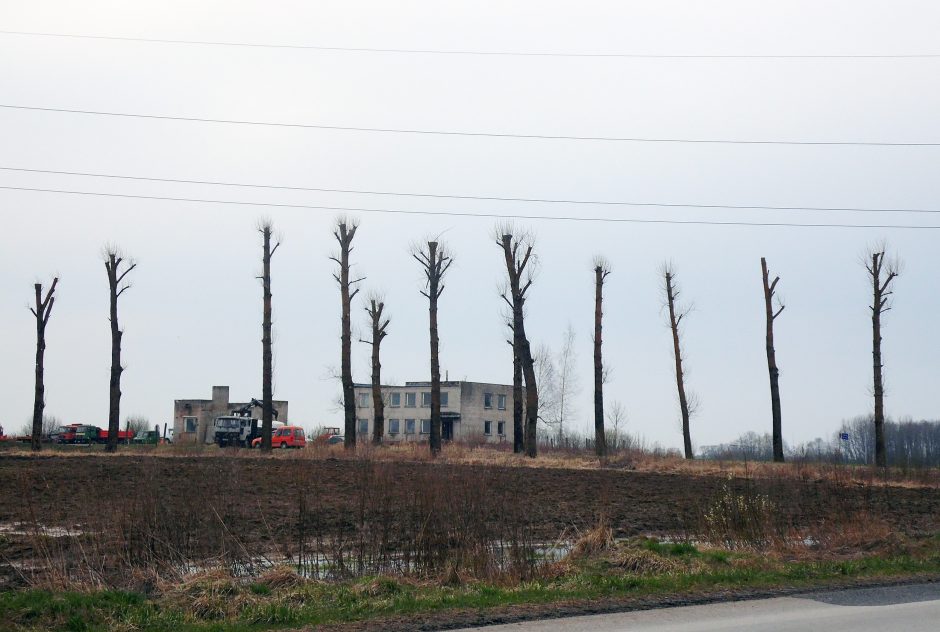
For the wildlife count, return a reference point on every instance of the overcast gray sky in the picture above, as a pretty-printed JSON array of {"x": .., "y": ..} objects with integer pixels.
[{"x": 192, "y": 318}]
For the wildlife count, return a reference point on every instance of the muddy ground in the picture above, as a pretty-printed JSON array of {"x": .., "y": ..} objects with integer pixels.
[{"x": 259, "y": 497}]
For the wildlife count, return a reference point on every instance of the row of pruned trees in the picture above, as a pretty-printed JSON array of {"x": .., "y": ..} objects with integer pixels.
[
  {"x": 882, "y": 271},
  {"x": 117, "y": 267},
  {"x": 518, "y": 253}
]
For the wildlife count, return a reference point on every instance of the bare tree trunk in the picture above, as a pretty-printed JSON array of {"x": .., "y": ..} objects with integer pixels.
[
  {"x": 435, "y": 260},
  {"x": 375, "y": 309},
  {"x": 267, "y": 356},
  {"x": 879, "y": 305},
  {"x": 601, "y": 270},
  {"x": 769, "y": 289},
  {"x": 881, "y": 459},
  {"x": 675, "y": 318},
  {"x": 115, "y": 277},
  {"x": 42, "y": 312},
  {"x": 344, "y": 236},
  {"x": 435, "y": 438},
  {"x": 516, "y": 264},
  {"x": 518, "y": 426}
]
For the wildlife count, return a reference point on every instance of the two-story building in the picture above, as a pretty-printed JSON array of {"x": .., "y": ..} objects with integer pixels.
[{"x": 469, "y": 410}]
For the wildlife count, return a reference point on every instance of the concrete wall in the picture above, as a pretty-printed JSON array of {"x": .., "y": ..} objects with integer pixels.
[
  {"x": 204, "y": 411},
  {"x": 475, "y": 413},
  {"x": 464, "y": 398}
]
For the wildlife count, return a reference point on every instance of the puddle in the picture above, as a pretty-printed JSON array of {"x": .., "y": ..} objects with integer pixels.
[{"x": 30, "y": 530}]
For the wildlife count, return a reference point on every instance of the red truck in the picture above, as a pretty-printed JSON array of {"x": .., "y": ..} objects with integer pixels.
[{"x": 83, "y": 433}]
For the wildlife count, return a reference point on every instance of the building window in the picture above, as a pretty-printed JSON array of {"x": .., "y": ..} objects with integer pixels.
[
  {"x": 409, "y": 426},
  {"x": 487, "y": 427},
  {"x": 501, "y": 428},
  {"x": 410, "y": 400},
  {"x": 425, "y": 400},
  {"x": 363, "y": 426},
  {"x": 394, "y": 400},
  {"x": 190, "y": 424},
  {"x": 393, "y": 426},
  {"x": 363, "y": 400},
  {"x": 501, "y": 402},
  {"x": 425, "y": 426},
  {"x": 487, "y": 400},
  {"x": 444, "y": 400}
]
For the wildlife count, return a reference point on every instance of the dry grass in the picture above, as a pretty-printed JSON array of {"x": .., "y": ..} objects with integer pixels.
[
  {"x": 645, "y": 562},
  {"x": 593, "y": 541},
  {"x": 502, "y": 456}
]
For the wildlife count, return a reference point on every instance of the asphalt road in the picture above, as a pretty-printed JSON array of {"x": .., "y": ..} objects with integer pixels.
[{"x": 914, "y": 608}]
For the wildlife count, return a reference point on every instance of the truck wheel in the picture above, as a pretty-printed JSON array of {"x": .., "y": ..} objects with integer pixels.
[{"x": 284, "y": 445}]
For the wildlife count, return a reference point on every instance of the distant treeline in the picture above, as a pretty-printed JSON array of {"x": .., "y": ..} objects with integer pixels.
[{"x": 908, "y": 443}]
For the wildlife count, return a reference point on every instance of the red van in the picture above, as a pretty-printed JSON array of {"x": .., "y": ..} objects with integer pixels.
[{"x": 285, "y": 437}]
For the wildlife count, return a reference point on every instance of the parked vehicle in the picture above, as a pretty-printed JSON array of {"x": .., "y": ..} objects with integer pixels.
[
  {"x": 240, "y": 432},
  {"x": 86, "y": 434},
  {"x": 285, "y": 437},
  {"x": 328, "y": 436},
  {"x": 153, "y": 437},
  {"x": 240, "y": 429}
]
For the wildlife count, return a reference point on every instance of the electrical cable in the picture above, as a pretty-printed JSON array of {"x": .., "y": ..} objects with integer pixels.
[
  {"x": 385, "y": 130},
  {"x": 569, "y": 218}
]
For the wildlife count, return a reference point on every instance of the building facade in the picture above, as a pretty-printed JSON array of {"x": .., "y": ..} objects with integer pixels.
[
  {"x": 469, "y": 411},
  {"x": 193, "y": 419}
]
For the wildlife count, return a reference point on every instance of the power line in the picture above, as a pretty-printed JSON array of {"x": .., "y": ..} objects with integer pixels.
[
  {"x": 476, "y": 197},
  {"x": 387, "y": 130},
  {"x": 431, "y": 51},
  {"x": 568, "y": 218}
]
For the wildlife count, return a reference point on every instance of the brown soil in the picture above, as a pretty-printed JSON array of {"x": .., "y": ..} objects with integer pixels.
[{"x": 261, "y": 494}]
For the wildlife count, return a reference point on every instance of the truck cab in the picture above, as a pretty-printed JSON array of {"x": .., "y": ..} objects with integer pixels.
[{"x": 238, "y": 431}]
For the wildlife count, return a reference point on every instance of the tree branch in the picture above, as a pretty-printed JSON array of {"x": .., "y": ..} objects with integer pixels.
[
  {"x": 126, "y": 272},
  {"x": 45, "y": 319}
]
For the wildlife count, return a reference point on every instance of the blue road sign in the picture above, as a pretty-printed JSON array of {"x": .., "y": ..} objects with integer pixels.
[{"x": 844, "y": 436}]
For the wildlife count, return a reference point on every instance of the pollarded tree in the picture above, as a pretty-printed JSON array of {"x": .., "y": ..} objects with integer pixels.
[
  {"x": 344, "y": 233},
  {"x": 435, "y": 260},
  {"x": 379, "y": 324},
  {"x": 676, "y": 315},
  {"x": 601, "y": 271},
  {"x": 112, "y": 263},
  {"x": 881, "y": 272},
  {"x": 42, "y": 311},
  {"x": 770, "y": 288},
  {"x": 266, "y": 229},
  {"x": 517, "y": 252}
]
